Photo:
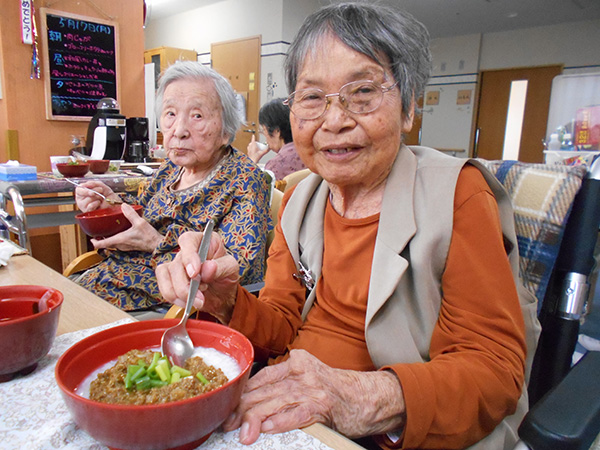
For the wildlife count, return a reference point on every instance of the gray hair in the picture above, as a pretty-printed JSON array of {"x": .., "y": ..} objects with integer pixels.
[
  {"x": 230, "y": 118},
  {"x": 376, "y": 31}
]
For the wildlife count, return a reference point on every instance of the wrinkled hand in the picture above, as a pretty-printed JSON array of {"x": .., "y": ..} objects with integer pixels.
[
  {"x": 254, "y": 151},
  {"x": 302, "y": 391},
  {"x": 219, "y": 276},
  {"x": 88, "y": 201},
  {"x": 141, "y": 236}
]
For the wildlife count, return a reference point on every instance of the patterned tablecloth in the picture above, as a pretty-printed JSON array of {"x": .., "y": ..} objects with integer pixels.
[{"x": 34, "y": 416}]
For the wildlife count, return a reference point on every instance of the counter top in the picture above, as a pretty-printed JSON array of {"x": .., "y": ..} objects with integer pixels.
[{"x": 48, "y": 183}]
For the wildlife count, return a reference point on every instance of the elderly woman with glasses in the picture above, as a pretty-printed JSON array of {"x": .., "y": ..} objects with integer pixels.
[{"x": 392, "y": 310}]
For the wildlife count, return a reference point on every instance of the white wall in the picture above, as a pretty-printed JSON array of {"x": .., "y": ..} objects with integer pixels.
[
  {"x": 217, "y": 22},
  {"x": 457, "y": 60},
  {"x": 572, "y": 44},
  {"x": 455, "y": 65},
  {"x": 294, "y": 13},
  {"x": 234, "y": 19}
]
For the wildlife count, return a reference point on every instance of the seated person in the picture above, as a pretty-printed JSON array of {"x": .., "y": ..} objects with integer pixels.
[
  {"x": 202, "y": 178},
  {"x": 392, "y": 309},
  {"x": 274, "y": 120}
]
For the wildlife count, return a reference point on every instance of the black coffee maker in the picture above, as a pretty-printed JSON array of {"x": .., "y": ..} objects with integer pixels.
[
  {"x": 138, "y": 142},
  {"x": 106, "y": 132}
]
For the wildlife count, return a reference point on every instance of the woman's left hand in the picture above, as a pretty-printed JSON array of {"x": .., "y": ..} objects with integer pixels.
[
  {"x": 141, "y": 236},
  {"x": 302, "y": 391}
]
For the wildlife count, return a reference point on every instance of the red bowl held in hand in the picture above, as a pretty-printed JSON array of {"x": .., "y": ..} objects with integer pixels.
[
  {"x": 105, "y": 222},
  {"x": 28, "y": 321},
  {"x": 182, "y": 424}
]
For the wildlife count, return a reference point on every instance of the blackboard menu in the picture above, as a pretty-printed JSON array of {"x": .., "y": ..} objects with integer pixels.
[{"x": 80, "y": 64}]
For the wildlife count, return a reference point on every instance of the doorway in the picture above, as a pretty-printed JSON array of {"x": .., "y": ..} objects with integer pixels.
[
  {"x": 239, "y": 62},
  {"x": 493, "y": 105}
]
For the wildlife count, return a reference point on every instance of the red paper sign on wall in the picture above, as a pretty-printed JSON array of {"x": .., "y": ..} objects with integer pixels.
[{"x": 587, "y": 128}]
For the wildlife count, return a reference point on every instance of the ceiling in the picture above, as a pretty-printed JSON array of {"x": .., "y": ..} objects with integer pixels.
[{"x": 446, "y": 18}]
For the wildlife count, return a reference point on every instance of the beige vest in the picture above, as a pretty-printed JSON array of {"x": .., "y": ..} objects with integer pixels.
[{"x": 411, "y": 248}]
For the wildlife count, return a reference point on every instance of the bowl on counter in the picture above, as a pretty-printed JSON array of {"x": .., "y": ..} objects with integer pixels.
[
  {"x": 99, "y": 166},
  {"x": 184, "y": 424},
  {"x": 105, "y": 222},
  {"x": 73, "y": 169},
  {"x": 28, "y": 321},
  {"x": 115, "y": 165}
]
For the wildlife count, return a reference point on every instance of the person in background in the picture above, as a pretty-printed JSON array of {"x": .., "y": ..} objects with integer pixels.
[
  {"x": 274, "y": 120},
  {"x": 203, "y": 177},
  {"x": 392, "y": 310}
]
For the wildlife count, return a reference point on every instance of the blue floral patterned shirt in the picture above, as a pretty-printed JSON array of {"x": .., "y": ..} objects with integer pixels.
[{"x": 235, "y": 194}]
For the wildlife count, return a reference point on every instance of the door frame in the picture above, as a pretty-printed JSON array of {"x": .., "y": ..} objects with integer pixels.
[{"x": 478, "y": 93}]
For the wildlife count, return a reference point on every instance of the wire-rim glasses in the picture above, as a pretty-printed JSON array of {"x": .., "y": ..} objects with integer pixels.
[{"x": 358, "y": 97}]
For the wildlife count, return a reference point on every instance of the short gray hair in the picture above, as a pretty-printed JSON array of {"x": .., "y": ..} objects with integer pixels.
[
  {"x": 376, "y": 31},
  {"x": 230, "y": 118}
]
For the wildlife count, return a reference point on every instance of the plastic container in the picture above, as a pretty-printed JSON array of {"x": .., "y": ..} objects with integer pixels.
[
  {"x": 567, "y": 142},
  {"x": 54, "y": 160},
  {"x": 554, "y": 143}
]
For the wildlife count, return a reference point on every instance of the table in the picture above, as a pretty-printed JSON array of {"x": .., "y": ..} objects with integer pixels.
[
  {"x": 50, "y": 190},
  {"x": 81, "y": 309}
]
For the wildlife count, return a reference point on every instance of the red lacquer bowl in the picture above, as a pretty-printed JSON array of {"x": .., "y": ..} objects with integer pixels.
[
  {"x": 27, "y": 329},
  {"x": 99, "y": 165},
  {"x": 105, "y": 222},
  {"x": 73, "y": 170},
  {"x": 178, "y": 425}
]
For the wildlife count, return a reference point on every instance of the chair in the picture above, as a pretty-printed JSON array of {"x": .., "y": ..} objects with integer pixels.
[
  {"x": 82, "y": 262},
  {"x": 280, "y": 184},
  {"x": 557, "y": 217},
  {"x": 294, "y": 178}
]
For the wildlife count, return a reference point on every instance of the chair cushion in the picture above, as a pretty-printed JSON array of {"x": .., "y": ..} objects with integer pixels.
[{"x": 542, "y": 196}]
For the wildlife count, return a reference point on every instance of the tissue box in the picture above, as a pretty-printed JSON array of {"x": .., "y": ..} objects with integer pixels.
[{"x": 20, "y": 172}]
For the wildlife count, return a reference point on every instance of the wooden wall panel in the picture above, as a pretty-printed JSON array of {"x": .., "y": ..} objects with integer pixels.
[
  {"x": 22, "y": 106},
  {"x": 23, "y": 102}
]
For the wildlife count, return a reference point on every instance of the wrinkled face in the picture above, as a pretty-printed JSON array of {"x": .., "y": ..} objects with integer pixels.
[
  {"x": 347, "y": 149},
  {"x": 191, "y": 123}
]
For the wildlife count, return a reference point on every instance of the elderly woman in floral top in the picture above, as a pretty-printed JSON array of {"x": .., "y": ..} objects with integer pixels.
[{"x": 203, "y": 178}]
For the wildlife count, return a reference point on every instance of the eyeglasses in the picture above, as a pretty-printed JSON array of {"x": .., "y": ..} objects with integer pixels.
[{"x": 358, "y": 97}]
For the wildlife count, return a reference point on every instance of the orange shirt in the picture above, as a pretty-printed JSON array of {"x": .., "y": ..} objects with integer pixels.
[
  {"x": 337, "y": 318},
  {"x": 478, "y": 346}
]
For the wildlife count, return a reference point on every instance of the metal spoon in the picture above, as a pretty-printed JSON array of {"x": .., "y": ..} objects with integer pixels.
[
  {"x": 176, "y": 343},
  {"x": 107, "y": 200}
]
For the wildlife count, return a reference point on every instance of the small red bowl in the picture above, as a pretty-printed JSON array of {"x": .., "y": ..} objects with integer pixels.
[
  {"x": 105, "y": 222},
  {"x": 99, "y": 166},
  {"x": 183, "y": 424},
  {"x": 27, "y": 329},
  {"x": 73, "y": 170}
]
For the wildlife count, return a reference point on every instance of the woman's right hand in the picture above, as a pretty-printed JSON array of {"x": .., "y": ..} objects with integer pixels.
[
  {"x": 88, "y": 201},
  {"x": 219, "y": 276},
  {"x": 255, "y": 152}
]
